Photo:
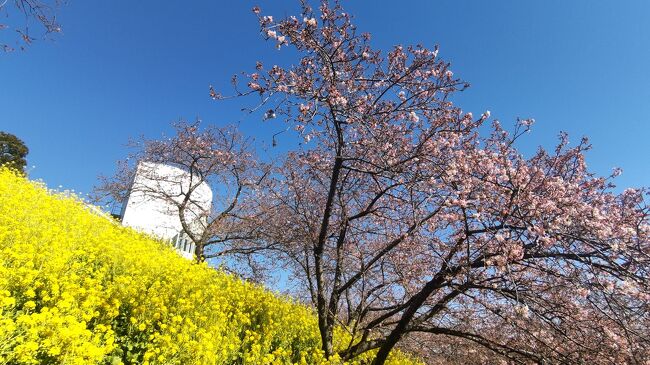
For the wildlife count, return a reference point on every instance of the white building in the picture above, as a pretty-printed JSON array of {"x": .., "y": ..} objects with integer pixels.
[{"x": 152, "y": 204}]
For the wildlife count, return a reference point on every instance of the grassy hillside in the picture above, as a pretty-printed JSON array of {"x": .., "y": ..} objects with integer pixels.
[{"x": 76, "y": 288}]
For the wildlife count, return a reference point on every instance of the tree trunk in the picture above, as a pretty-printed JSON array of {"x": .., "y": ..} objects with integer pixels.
[
  {"x": 326, "y": 334},
  {"x": 325, "y": 318},
  {"x": 199, "y": 252},
  {"x": 399, "y": 330}
]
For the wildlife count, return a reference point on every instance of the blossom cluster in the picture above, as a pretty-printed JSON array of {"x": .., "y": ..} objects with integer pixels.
[{"x": 77, "y": 288}]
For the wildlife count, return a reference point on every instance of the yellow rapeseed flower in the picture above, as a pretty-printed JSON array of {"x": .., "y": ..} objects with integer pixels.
[{"x": 77, "y": 288}]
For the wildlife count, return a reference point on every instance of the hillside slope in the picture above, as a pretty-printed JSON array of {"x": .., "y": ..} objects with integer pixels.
[{"x": 76, "y": 288}]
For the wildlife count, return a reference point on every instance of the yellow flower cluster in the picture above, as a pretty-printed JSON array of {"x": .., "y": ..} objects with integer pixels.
[{"x": 77, "y": 288}]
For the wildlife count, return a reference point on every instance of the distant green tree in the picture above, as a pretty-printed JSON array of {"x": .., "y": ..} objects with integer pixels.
[{"x": 13, "y": 151}]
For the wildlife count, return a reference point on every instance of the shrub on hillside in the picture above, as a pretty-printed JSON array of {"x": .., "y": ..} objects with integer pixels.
[{"x": 77, "y": 288}]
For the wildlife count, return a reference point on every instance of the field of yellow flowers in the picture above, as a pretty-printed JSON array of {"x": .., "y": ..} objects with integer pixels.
[{"x": 77, "y": 288}]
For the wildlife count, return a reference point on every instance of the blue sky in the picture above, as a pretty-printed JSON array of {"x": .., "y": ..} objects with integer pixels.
[{"x": 127, "y": 68}]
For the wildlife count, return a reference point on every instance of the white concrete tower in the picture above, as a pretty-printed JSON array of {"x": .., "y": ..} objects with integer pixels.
[{"x": 151, "y": 205}]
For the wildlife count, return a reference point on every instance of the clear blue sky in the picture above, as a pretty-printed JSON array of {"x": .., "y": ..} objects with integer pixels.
[{"x": 126, "y": 68}]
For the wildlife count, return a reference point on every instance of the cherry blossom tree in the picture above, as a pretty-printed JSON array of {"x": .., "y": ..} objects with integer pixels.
[
  {"x": 219, "y": 157},
  {"x": 25, "y": 15},
  {"x": 406, "y": 225}
]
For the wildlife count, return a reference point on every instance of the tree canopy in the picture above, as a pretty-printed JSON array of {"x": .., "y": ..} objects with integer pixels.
[
  {"x": 404, "y": 220},
  {"x": 13, "y": 151}
]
